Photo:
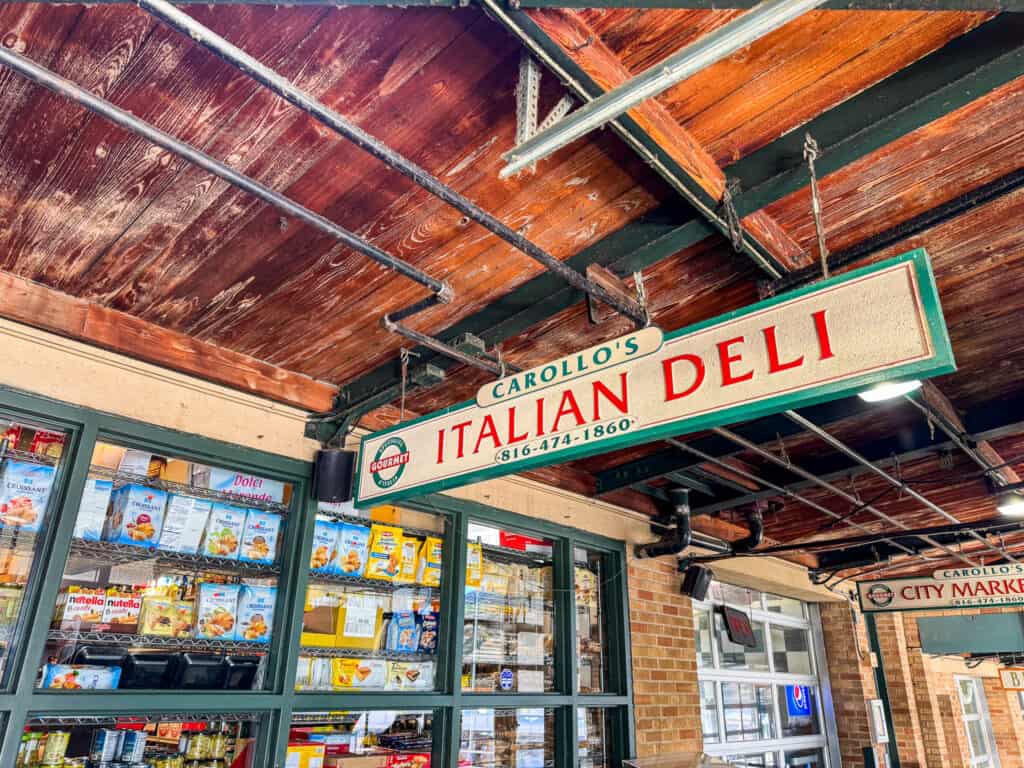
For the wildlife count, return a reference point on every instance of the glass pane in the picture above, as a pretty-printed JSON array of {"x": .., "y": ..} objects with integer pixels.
[
  {"x": 709, "y": 712},
  {"x": 805, "y": 758},
  {"x": 508, "y": 635},
  {"x": 507, "y": 738},
  {"x": 171, "y": 581},
  {"x": 367, "y": 739},
  {"x": 702, "y": 627},
  {"x": 30, "y": 457},
  {"x": 968, "y": 699},
  {"x": 138, "y": 741},
  {"x": 784, "y": 605},
  {"x": 976, "y": 735},
  {"x": 756, "y": 760},
  {"x": 791, "y": 650},
  {"x": 741, "y": 597},
  {"x": 372, "y": 610},
  {"x": 748, "y": 711},
  {"x": 591, "y": 633},
  {"x": 733, "y": 656},
  {"x": 798, "y": 710},
  {"x": 592, "y": 733}
]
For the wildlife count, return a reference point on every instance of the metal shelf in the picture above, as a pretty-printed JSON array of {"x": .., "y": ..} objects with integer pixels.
[
  {"x": 109, "y": 553},
  {"x": 360, "y": 581},
  {"x": 45, "y": 721},
  {"x": 357, "y": 520},
  {"x": 498, "y": 554},
  {"x": 187, "y": 490},
  {"x": 154, "y": 641},
  {"x": 362, "y": 653},
  {"x": 34, "y": 458}
]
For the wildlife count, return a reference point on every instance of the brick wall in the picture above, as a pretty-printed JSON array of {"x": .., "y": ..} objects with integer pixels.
[{"x": 665, "y": 693}]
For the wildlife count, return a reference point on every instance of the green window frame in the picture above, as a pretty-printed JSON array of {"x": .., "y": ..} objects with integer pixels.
[{"x": 275, "y": 705}]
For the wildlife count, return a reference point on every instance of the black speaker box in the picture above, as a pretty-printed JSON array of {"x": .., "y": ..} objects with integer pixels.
[
  {"x": 333, "y": 475},
  {"x": 696, "y": 581}
]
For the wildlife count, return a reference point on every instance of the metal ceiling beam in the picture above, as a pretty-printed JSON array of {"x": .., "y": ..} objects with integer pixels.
[
  {"x": 842, "y": 5},
  {"x": 720, "y": 43}
]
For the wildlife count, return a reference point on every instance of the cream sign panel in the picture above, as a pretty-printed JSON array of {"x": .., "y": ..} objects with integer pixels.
[{"x": 815, "y": 344}]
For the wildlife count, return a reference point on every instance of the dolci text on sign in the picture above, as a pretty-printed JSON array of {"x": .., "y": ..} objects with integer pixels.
[{"x": 815, "y": 344}]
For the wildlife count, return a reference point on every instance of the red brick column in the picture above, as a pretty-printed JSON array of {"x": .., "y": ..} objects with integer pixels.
[
  {"x": 1005, "y": 723},
  {"x": 900, "y": 683},
  {"x": 933, "y": 731}
]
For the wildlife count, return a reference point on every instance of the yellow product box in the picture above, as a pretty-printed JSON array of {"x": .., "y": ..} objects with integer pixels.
[
  {"x": 165, "y": 616},
  {"x": 360, "y": 621},
  {"x": 428, "y": 569},
  {"x": 343, "y": 672},
  {"x": 474, "y": 564},
  {"x": 320, "y": 618},
  {"x": 386, "y": 513},
  {"x": 411, "y": 547},
  {"x": 385, "y": 559},
  {"x": 303, "y": 755}
]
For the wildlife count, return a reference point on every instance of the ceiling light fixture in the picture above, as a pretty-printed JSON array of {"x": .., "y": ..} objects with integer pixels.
[
  {"x": 1011, "y": 504},
  {"x": 888, "y": 390}
]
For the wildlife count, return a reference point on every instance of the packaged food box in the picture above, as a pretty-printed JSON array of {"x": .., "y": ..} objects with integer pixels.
[
  {"x": 136, "y": 515},
  {"x": 411, "y": 675},
  {"x": 408, "y": 760},
  {"x": 324, "y": 556},
  {"x": 410, "y": 559},
  {"x": 358, "y": 673},
  {"x": 320, "y": 617},
  {"x": 428, "y": 570},
  {"x": 302, "y": 754},
  {"x": 92, "y": 510},
  {"x": 184, "y": 523},
  {"x": 80, "y": 677},
  {"x": 474, "y": 564},
  {"x": 81, "y": 608},
  {"x": 165, "y": 616},
  {"x": 428, "y": 632},
  {"x": 259, "y": 537},
  {"x": 360, "y": 620},
  {"x": 217, "y": 611},
  {"x": 403, "y": 632},
  {"x": 121, "y": 609},
  {"x": 353, "y": 549},
  {"x": 47, "y": 443},
  {"x": 385, "y": 558},
  {"x": 24, "y": 493},
  {"x": 256, "y": 613},
  {"x": 223, "y": 536}
]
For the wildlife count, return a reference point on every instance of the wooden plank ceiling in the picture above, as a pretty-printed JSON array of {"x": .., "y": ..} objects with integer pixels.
[{"x": 107, "y": 239}]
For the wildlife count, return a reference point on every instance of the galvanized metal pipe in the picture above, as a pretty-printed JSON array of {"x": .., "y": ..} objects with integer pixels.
[
  {"x": 840, "y": 446},
  {"x": 270, "y": 79},
  {"x": 440, "y": 347},
  {"x": 801, "y": 472},
  {"x": 713, "y": 47},
  {"x": 44, "y": 77}
]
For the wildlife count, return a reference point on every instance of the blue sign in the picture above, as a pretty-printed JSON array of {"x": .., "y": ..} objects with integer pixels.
[
  {"x": 505, "y": 680},
  {"x": 798, "y": 701}
]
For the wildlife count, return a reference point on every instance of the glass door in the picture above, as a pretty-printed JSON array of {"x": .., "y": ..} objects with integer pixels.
[{"x": 977, "y": 722}]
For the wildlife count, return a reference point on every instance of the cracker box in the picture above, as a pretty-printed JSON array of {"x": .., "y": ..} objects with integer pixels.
[
  {"x": 259, "y": 537},
  {"x": 165, "y": 616},
  {"x": 223, "y": 536},
  {"x": 428, "y": 569},
  {"x": 353, "y": 549},
  {"x": 82, "y": 608},
  {"x": 474, "y": 564},
  {"x": 184, "y": 524},
  {"x": 358, "y": 673},
  {"x": 136, "y": 515},
  {"x": 121, "y": 609},
  {"x": 24, "y": 493},
  {"x": 80, "y": 677},
  {"x": 92, "y": 510},
  {"x": 217, "y": 611},
  {"x": 323, "y": 558},
  {"x": 410, "y": 559},
  {"x": 385, "y": 558},
  {"x": 256, "y": 614},
  {"x": 411, "y": 675}
]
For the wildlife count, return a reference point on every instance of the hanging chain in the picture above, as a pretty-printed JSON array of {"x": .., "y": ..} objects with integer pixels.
[
  {"x": 732, "y": 218},
  {"x": 812, "y": 153},
  {"x": 404, "y": 356}
]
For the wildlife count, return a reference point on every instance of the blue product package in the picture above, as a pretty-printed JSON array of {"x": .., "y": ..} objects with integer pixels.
[
  {"x": 324, "y": 556},
  {"x": 80, "y": 677},
  {"x": 24, "y": 493},
  {"x": 256, "y": 614},
  {"x": 259, "y": 537},
  {"x": 353, "y": 549},
  {"x": 224, "y": 531},
  {"x": 403, "y": 632},
  {"x": 136, "y": 515},
  {"x": 217, "y": 611},
  {"x": 92, "y": 510}
]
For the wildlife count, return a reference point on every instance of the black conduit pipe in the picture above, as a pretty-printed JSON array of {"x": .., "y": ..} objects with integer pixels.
[
  {"x": 676, "y": 539},
  {"x": 750, "y": 542}
]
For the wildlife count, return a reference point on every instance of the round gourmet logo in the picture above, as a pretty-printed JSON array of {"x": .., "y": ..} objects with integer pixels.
[
  {"x": 389, "y": 462},
  {"x": 880, "y": 595}
]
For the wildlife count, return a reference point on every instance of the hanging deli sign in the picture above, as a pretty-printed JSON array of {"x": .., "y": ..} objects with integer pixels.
[
  {"x": 1011, "y": 678},
  {"x": 815, "y": 344},
  {"x": 967, "y": 587}
]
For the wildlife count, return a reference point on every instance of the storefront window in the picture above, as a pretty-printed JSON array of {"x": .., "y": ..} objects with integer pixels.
[
  {"x": 171, "y": 581},
  {"x": 508, "y": 634},
  {"x": 507, "y": 738},
  {"x": 372, "y": 616},
  {"x": 367, "y": 739},
  {"x": 589, "y": 575},
  {"x": 765, "y": 697},
  {"x": 592, "y": 737},
  {"x": 30, "y": 457}
]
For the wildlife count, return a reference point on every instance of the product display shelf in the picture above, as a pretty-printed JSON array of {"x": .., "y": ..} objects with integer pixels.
[
  {"x": 358, "y": 520},
  {"x": 359, "y": 581},
  {"x": 498, "y": 554},
  {"x": 154, "y": 641},
  {"x": 109, "y": 553},
  {"x": 187, "y": 490},
  {"x": 362, "y": 653},
  {"x": 16, "y": 538},
  {"x": 34, "y": 458},
  {"x": 103, "y": 721}
]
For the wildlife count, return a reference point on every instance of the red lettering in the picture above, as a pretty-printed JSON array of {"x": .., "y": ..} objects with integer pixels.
[
  {"x": 996, "y": 588},
  {"x": 512, "y": 436},
  {"x": 962, "y": 589},
  {"x": 487, "y": 430},
  {"x": 540, "y": 416},
  {"x": 566, "y": 407},
  {"x": 907, "y": 593},
  {"x": 772, "y": 345},
  {"x": 726, "y": 360},
  {"x": 670, "y": 387},
  {"x": 821, "y": 328},
  {"x": 622, "y": 403},
  {"x": 440, "y": 446},
  {"x": 461, "y": 430}
]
